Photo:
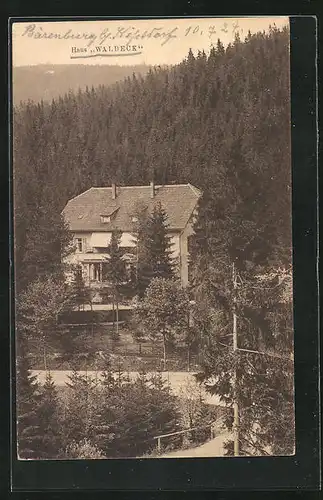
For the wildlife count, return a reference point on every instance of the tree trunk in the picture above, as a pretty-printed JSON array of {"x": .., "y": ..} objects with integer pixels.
[
  {"x": 117, "y": 313},
  {"x": 92, "y": 330},
  {"x": 113, "y": 319},
  {"x": 188, "y": 358},
  {"x": 45, "y": 356},
  {"x": 164, "y": 346}
]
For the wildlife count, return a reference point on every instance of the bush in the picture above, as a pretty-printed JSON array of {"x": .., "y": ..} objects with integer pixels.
[
  {"x": 83, "y": 450},
  {"x": 120, "y": 417}
]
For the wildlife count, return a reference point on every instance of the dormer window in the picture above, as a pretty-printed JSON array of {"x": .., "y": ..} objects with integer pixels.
[{"x": 105, "y": 219}]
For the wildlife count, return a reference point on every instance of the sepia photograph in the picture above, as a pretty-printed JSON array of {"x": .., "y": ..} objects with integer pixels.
[{"x": 152, "y": 237}]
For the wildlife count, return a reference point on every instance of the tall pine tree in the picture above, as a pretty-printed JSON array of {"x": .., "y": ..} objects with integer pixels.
[
  {"x": 154, "y": 249},
  {"x": 235, "y": 232},
  {"x": 50, "y": 421},
  {"x": 114, "y": 271},
  {"x": 28, "y": 399},
  {"x": 78, "y": 292}
]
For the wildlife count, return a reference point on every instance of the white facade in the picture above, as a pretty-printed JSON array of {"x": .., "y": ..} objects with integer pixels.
[{"x": 90, "y": 252}]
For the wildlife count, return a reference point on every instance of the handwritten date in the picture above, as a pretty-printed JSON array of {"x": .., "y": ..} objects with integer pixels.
[{"x": 129, "y": 34}]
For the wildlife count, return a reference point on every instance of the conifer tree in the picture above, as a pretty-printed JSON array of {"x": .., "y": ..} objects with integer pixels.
[
  {"x": 220, "y": 48},
  {"x": 132, "y": 413},
  {"x": 28, "y": 399},
  {"x": 47, "y": 243},
  {"x": 107, "y": 376},
  {"x": 230, "y": 236},
  {"x": 81, "y": 410},
  {"x": 154, "y": 249},
  {"x": 140, "y": 276},
  {"x": 114, "y": 271},
  {"x": 78, "y": 292},
  {"x": 190, "y": 58},
  {"x": 159, "y": 244},
  {"x": 50, "y": 420}
]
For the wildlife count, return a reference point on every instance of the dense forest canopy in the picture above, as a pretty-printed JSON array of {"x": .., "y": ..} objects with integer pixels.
[{"x": 219, "y": 121}]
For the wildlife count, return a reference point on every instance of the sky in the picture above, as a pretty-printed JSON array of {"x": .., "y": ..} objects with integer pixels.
[{"x": 126, "y": 42}]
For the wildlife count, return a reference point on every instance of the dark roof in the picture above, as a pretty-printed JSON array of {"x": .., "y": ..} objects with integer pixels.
[{"x": 83, "y": 213}]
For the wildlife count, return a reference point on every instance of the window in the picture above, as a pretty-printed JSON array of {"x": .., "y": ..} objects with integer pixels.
[
  {"x": 105, "y": 218},
  {"x": 97, "y": 273},
  {"x": 79, "y": 244},
  {"x": 134, "y": 219}
]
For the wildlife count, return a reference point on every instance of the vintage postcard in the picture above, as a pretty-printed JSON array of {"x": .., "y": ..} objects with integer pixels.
[{"x": 152, "y": 238}]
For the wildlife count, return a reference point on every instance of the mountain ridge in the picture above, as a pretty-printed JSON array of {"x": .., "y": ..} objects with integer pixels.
[{"x": 49, "y": 81}]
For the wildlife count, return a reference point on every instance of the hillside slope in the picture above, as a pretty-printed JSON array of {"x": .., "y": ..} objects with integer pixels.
[{"x": 47, "y": 82}]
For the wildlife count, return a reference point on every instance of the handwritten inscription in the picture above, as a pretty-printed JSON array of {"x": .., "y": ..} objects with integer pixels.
[{"x": 130, "y": 34}]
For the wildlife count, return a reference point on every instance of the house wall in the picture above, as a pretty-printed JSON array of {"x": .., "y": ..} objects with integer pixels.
[
  {"x": 175, "y": 245},
  {"x": 179, "y": 248},
  {"x": 77, "y": 257},
  {"x": 184, "y": 260}
]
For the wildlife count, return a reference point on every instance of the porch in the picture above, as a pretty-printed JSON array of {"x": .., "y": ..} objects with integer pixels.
[{"x": 93, "y": 268}]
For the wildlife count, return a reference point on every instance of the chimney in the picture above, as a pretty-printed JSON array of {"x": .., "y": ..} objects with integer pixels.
[
  {"x": 114, "y": 191},
  {"x": 152, "y": 189}
]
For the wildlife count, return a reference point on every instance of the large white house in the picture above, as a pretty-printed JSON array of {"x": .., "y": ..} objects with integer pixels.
[{"x": 92, "y": 215}]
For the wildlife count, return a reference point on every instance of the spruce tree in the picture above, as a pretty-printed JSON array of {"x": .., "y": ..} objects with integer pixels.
[
  {"x": 81, "y": 408},
  {"x": 132, "y": 413},
  {"x": 28, "y": 396},
  {"x": 141, "y": 274},
  {"x": 114, "y": 271},
  {"x": 229, "y": 237},
  {"x": 47, "y": 242},
  {"x": 159, "y": 244},
  {"x": 50, "y": 419},
  {"x": 79, "y": 293},
  {"x": 155, "y": 260}
]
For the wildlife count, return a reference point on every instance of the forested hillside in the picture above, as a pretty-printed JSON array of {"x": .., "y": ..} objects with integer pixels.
[
  {"x": 49, "y": 81},
  {"x": 219, "y": 122}
]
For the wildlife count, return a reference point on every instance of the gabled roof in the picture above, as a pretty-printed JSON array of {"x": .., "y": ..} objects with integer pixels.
[{"x": 83, "y": 212}]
